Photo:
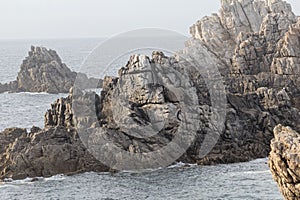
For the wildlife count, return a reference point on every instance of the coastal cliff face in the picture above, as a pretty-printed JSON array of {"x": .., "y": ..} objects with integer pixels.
[
  {"x": 254, "y": 45},
  {"x": 43, "y": 71},
  {"x": 284, "y": 161}
]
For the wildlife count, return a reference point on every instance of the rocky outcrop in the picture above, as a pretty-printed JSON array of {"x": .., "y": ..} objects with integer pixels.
[
  {"x": 12, "y": 86},
  {"x": 161, "y": 109},
  {"x": 47, "y": 152},
  {"x": 219, "y": 32},
  {"x": 43, "y": 71},
  {"x": 284, "y": 161},
  {"x": 246, "y": 41}
]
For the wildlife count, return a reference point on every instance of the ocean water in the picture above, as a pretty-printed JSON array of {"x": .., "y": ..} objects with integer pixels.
[
  {"x": 27, "y": 109},
  {"x": 250, "y": 180}
]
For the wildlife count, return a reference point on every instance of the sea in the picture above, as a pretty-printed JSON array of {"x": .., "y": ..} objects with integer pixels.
[{"x": 250, "y": 180}]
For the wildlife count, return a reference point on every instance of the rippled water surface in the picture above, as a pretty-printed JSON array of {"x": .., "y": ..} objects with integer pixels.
[
  {"x": 27, "y": 109},
  {"x": 250, "y": 180}
]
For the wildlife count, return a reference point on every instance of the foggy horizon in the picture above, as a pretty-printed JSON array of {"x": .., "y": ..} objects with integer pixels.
[{"x": 70, "y": 19}]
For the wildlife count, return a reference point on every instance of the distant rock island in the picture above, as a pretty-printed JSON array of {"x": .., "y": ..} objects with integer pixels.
[
  {"x": 256, "y": 47},
  {"x": 43, "y": 71}
]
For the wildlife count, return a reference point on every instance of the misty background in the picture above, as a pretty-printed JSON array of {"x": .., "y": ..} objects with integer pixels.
[{"x": 41, "y": 19}]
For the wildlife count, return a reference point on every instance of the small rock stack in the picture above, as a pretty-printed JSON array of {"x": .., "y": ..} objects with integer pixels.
[{"x": 43, "y": 71}]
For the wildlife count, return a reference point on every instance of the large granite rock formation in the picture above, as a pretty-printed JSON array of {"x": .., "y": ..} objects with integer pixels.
[
  {"x": 284, "y": 161},
  {"x": 43, "y": 71},
  {"x": 255, "y": 47}
]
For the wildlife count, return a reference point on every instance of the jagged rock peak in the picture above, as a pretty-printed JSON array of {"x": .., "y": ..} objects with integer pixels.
[
  {"x": 219, "y": 32},
  {"x": 42, "y": 54},
  {"x": 43, "y": 71}
]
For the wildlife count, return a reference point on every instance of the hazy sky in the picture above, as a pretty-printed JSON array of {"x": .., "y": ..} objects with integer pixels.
[{"x": 98, "y": 18}]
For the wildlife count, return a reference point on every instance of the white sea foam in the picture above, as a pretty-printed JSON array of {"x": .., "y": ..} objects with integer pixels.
[
  {"x": 58, "y": 177},
  {"x": 181, "y": 164},
  {"x": 258, "y": 172}
]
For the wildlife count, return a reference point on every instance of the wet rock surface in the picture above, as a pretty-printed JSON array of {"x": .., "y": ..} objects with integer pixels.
[{"x": 284, "y": 161}]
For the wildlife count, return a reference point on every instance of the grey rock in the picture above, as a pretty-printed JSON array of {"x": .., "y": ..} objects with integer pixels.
[
  {"x": 43, "y": 71},
  {"x": 284, "y": 161},
  {"x": 47, "y": 152}
]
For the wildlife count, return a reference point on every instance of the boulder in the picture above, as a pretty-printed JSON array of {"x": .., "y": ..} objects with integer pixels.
[{"x": 284, "y": 161}]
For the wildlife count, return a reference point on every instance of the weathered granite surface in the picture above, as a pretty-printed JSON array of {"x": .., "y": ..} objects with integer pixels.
[
  {"x": 43, "y": 71},
  {"x": 46, "y": 152},
  {"x": 255, "y": 46},
  {"x": 284, "y": 161}
]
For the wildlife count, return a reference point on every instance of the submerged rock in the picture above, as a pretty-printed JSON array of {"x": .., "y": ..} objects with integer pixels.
[
  {"x": 43, "y": 71},
  {"x": 284, "y": 161}
]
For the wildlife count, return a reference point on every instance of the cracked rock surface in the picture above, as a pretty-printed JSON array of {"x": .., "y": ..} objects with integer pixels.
[{"x": 284, "y": 161}]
